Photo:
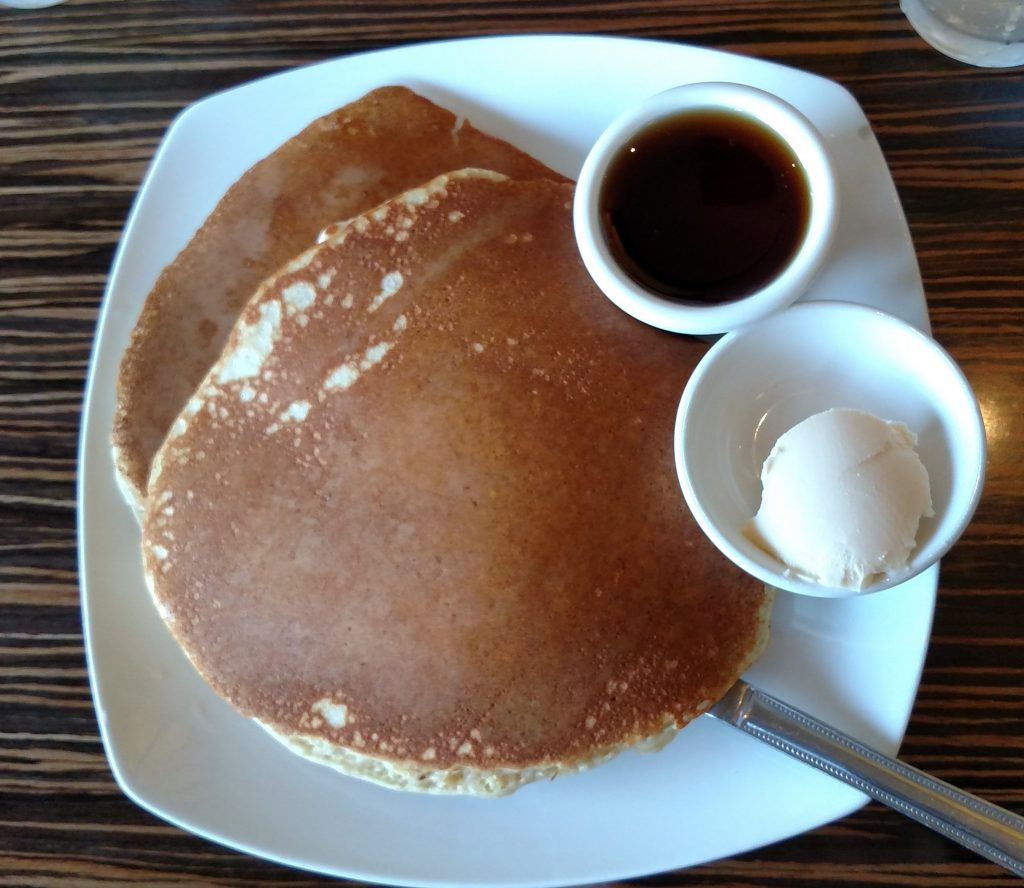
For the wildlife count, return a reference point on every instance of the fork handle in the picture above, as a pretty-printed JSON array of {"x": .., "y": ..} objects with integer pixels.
[{"x": 986, "y": 829}]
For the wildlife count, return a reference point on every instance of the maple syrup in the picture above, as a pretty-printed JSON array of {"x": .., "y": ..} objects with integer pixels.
[{"x": 705, "y": 206}]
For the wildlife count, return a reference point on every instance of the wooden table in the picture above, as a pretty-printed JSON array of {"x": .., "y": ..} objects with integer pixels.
[{"x": 86, "y": 92}]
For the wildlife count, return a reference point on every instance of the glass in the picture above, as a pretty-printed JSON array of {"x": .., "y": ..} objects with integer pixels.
[{"x": 986, "y": 33}]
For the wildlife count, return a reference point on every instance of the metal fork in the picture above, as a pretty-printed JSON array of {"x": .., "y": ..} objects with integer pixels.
[{"x": 986, "y": 829}]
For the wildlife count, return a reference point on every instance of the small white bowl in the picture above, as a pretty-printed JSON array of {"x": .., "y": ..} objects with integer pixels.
[
  {"x": 755, "y": 384},
  {"x": 792, "y": 127}
]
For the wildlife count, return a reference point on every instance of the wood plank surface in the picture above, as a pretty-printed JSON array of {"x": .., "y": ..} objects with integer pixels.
[{"x": 87, "y": 90}]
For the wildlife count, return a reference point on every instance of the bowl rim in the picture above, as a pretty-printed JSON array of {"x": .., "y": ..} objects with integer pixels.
[
  {"x": 966, "y": 494},
  {"x": 791, "y": 126}
]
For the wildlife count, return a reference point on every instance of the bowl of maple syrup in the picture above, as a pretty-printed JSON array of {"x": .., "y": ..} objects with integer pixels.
[{"x": 706, "y": 207}]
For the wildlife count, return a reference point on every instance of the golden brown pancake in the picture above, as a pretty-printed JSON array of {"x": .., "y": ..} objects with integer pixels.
[
  {"x": 421, "y": 519},
  {"x": 339, "y": 166}
]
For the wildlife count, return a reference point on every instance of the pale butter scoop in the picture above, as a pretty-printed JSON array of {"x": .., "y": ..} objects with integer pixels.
[{"x": 843, "y": 496}]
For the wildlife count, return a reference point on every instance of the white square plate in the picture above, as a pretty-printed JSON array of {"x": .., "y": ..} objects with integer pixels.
[{"x": 179, "y": 751}]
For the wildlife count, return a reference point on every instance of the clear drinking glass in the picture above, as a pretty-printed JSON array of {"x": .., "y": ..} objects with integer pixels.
[{"x": 986, "y": 33}]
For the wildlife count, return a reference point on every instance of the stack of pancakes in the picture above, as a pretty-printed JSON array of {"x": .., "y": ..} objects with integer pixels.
[{"x": 418, "y": 514}]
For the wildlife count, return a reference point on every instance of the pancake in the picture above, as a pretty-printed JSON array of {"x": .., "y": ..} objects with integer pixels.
[
  {"x": 339, "y": 166},
  {"x": 421, "y": 519}
]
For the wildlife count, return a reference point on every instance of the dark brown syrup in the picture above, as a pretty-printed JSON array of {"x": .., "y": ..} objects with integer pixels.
[{"x": 706, "y": 206}]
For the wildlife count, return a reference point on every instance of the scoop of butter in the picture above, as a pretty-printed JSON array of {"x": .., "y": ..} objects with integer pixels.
[{"x": 843, "y": 496}]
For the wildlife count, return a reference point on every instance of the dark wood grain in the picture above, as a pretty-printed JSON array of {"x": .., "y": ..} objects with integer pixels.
[{"x": 86, "y": 92}]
